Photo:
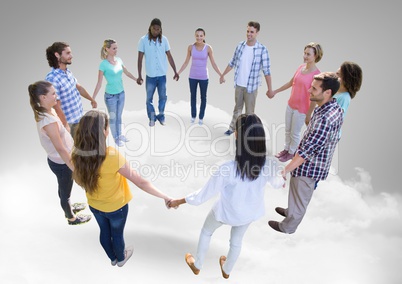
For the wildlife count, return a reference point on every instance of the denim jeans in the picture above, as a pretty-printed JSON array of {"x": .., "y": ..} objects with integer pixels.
[
  {"x": 65, "y": 181},
  {"x": 111, "y": 226},
  {"x": 236, "y": 239},
  {"x": 151, "y": 84},
  {"x": 114, "y": 105},
  {"x": 193, "y": 91}
]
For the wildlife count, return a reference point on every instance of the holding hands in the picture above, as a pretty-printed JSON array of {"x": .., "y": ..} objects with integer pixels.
[{"x": 175, "y": 203}]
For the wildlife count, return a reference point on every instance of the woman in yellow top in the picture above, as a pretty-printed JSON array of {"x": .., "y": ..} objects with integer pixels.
[{"x": 103, "y": 172}]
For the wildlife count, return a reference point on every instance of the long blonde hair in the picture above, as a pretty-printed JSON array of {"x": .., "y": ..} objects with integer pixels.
[
  {"x": 35, "y": 90},
  {"x": 89, "y": 149},
  {"x": 107, "y": 43}
]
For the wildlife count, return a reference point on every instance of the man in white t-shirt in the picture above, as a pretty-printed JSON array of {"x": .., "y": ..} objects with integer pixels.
[{"x": 250, "y": 57}]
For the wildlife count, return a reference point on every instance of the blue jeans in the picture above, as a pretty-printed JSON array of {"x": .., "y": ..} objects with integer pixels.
[
  {"x": 151, "y": 84},
  {"x": 111, "y": 226},
  {"x": 193, "y": 91},
  {"x": 65, "y": 181},
  {"x": 114, "y": 105}
]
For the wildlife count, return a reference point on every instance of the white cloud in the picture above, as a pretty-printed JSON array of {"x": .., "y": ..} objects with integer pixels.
[{"x": 350, "y": 234}]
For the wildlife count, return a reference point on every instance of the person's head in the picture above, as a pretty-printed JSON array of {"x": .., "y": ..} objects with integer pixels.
[
  {"x": 323, "y": 87},
  {"x": 89, "y": 149},
  {"x": 314, "y": 49},
  {"x": 200, "y": 35},
  {"x": 59, "y": 53},
  {"x": 253, "y": 29},
  {"x": 109, "y": 47},
  {"x": 155, "y": 29},
  {"x": 42, "y": 96},
  {"x": 351, "y": 77},
  {"x": 250, "y": 146}
]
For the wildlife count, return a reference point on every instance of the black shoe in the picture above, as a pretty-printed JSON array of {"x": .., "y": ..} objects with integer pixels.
[
  {"x": 80, "y": 219},
  {"x": 275, "y": 225},
  {"x": 229, "y": 132},
  {"x": 281, "y": 211}
]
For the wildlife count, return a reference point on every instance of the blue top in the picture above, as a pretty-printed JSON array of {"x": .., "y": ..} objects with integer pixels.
[
  {"x": 113, "y": 75},
  {"x": 155, "y": 55}
]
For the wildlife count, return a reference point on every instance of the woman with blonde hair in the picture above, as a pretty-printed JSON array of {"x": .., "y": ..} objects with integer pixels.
[
  {"x": 103, "y": 172},
  {"x": 112, "y": 68},
  {"x": 299, "y": 108}
]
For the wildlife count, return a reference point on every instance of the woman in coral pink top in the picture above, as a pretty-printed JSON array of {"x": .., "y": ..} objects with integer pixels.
[{"x": 299, "y": 108}]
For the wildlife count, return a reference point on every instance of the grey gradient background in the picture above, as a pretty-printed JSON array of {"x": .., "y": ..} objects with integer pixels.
[{"x": 357, "y": 229}]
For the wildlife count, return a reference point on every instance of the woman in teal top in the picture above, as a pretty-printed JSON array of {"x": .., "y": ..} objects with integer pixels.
[
  {"x": 350, "y": 76},
  {"x": 112, "y": 68}
]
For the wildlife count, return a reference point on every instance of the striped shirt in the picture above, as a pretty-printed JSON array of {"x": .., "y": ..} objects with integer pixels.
[
  {"x": 66, "y": 89},
  {"x": 319, "y": 141},
  {"x": 260, "y": 62}
]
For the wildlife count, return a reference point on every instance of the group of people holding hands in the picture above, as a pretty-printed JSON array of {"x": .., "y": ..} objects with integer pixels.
[{"x": 76, "y": 146}]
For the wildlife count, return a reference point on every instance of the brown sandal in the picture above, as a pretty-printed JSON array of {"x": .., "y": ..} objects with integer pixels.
[
  {"x": 222, "y": 260},
  {"x": 190, "y": 262}
]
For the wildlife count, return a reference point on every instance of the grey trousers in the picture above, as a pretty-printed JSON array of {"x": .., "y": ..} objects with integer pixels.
[
  {"x": 300, "y": 193},
  {"x": 242, "y": 98}
]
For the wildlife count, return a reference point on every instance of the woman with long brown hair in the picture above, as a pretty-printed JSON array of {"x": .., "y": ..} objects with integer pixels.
[{"x": 103, "y": 172}]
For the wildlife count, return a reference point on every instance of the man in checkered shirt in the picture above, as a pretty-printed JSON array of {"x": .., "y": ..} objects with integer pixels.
[
  {"x": 69, "y": 91},
  {"x": 313, "y": 157},
  {"x": 249, "y": 60}
]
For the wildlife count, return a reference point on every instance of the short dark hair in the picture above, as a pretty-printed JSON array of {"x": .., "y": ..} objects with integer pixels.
[
  {"x": 329, "y": 81},
  {"x": 255, "y": 25}
]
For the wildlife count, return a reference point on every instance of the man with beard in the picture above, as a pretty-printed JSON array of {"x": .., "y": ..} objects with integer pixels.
[{"x": 69, "y": 106}]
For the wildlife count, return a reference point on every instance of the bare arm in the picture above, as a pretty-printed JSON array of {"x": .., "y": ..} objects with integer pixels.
[
  {"x": 52, "y": 130},
  {"x": 142, "y": 183},
  {"x": 98, "y": 84},
  {"x": 171, "y": 62},
  {"x": 139, "y": 66},
  {"x": 309, "y": 112},
  {"x": 86, "y": 95},
  {"x": 212, "y": 59},
  {"x": 270, "y": 93},
  {"x": 128, "y": 74},
  {"x": 61, "y": 115},
  {"x": 184, "y": 66},
  {"x": 284, "y": 87},
  {"x": 227, "y": 70}
]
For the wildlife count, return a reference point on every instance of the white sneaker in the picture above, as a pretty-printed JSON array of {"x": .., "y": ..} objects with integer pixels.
[
  {"x": 128, "y": 252},
  {"x": 200, "y": 122},
  {"x": 192, "y": 120},
  {"x": 119, "y": 143},
  {"x": 123, "y": 138}
]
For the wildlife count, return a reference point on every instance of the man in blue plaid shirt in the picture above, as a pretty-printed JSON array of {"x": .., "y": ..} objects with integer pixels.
[
  {"x": 249, "y": 59},
  {"x": 313, "y": 157},
  {"x": 69, "y": 91}
]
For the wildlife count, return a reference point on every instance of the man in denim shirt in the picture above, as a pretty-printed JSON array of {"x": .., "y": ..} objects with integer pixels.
[
  {"x": 156, "y": 49},
  {"x": 250, "y": 57},
  {"x": 313, "y": 157}
]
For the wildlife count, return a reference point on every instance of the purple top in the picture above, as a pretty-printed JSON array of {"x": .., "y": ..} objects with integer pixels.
[{"x": 199, "y": 68}]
